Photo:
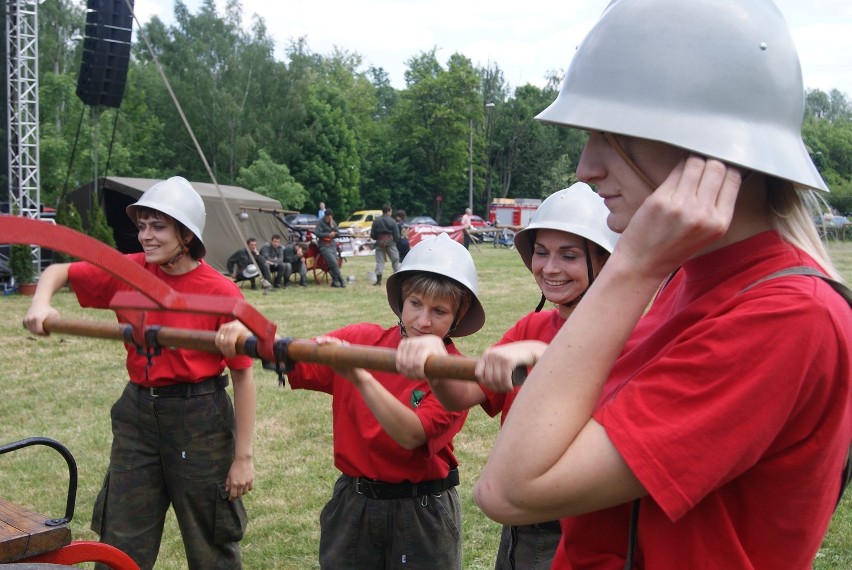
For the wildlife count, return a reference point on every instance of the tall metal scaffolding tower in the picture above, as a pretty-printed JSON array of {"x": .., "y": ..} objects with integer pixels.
[{"x": 22, "y": 110}]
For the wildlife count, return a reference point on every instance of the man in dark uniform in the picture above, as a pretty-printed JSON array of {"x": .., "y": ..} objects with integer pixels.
[
  {"x": 240, "y": 260},
  {"x": 402, "y": 245},
  {"x": 385, "y": 232},
  {"x": 294, "y": 255},
  {"x": 326, "y": 231},
  {"x": 272, "y": 254}
]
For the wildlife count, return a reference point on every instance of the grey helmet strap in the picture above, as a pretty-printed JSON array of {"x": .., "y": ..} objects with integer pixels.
[{"x": 846, "y": 293}]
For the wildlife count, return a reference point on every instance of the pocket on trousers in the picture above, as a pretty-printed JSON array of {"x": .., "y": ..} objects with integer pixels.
[
  {"x": 446, "y": 510},
  {"x": 99, "y": 508},
  {"x": 231, "y": 519}
]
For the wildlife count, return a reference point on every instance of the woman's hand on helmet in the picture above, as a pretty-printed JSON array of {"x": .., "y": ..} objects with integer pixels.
[
  {"x": 413, "y": 352},
  {"x": 495, "y": 367},
  {"x": 693, "y": 208}
]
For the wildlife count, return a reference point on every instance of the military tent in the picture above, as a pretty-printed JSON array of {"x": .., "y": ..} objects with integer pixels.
[{"x": 225, "y": 230}]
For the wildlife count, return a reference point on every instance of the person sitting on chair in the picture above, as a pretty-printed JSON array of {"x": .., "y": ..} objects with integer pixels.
[
  {"x": 294, "y": 256},
  {"x": 273, "y": 258},
  {"x": 240, "y": 265}
]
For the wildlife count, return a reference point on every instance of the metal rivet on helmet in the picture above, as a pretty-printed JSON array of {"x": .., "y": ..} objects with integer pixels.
[
  {"x": 721, "y": 79},
  {"x": 446, "y": 257},
  {"x": 177, "y": 198}
]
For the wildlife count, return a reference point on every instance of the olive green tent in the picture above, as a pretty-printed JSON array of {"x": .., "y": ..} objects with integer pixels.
[{"x": 225, "y": 230}]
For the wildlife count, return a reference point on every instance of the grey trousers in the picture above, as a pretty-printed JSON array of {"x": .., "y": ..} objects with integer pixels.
[
  {"x": 411, "y": 533},
  {"x": 528, "y": 547},
  {"x": 383, "y": 250}
]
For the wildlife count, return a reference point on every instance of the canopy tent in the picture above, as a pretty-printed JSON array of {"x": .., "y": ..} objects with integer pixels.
[{"x": 224, "y": 230}]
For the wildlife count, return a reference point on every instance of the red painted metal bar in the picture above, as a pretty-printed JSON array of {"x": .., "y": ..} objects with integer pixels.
[{"x": 150, "y": 292}]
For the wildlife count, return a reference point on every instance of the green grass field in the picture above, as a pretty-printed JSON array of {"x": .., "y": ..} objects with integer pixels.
[{"x": 62, "y": 387}]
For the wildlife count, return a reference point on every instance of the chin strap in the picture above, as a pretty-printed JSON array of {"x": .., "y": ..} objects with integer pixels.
[
  {"x": 616, "y": 146},
  {"x": 182, "y": 251}
]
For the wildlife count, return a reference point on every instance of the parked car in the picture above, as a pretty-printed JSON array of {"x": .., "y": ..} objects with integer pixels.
[
  {"x": 475, "y": 221},
  {"x": 423, "y": 220},
  {"x": 360, "y": 222},
  {"x": 303, "y": 220},
  {"x": 300, "y": 224}
]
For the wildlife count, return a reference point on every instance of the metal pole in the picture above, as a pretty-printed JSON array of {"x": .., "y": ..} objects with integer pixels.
[
  {"x": 470, "y": 168},
  {"x": 488, "y": 167}
]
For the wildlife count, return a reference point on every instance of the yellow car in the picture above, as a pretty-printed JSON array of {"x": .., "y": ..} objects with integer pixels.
[{"x": 360, "y": 222}]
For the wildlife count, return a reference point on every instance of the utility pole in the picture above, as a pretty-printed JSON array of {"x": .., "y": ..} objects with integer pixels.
[
  {"x": 488, "y": 136},
  {"x": 470, "y": 168}
]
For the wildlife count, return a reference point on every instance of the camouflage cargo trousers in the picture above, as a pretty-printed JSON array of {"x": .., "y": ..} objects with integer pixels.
[{"x": 171, "y": 451}]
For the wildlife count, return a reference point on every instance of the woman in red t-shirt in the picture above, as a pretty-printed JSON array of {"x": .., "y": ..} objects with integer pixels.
[
  {"x": 167, "y": 448},
  {"x": 724, "y": 414},
  {"x": 564, "y": 246}
]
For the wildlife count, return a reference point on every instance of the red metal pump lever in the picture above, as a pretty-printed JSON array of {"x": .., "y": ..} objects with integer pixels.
[{"x": 150, "y": 292}]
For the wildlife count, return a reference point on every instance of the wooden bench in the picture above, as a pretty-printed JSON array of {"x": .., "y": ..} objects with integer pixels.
[
  {"x": 31, "y": 540},
  {"x": 24, "y": 533}
]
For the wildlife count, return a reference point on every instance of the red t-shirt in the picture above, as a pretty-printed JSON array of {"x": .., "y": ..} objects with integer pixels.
[
  {"x": 95, "y": 288},
  {"x": 734, "y": 410},
  {"x": 361, "y": 447},
  {"x": 541, "y": 326}
]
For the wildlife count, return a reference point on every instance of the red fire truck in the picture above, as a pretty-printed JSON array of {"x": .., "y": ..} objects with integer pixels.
[{"x": 512, "y": 212}]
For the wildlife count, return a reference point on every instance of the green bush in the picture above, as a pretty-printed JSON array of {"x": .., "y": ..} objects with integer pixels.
[
  {"x": 99, "y": 227},
  {"x": 21, "y": 263},
  {"x": 68, "y": 216}
]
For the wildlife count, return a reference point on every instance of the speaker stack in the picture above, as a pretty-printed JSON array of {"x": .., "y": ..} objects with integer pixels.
[{"x": 106, "y": 52}]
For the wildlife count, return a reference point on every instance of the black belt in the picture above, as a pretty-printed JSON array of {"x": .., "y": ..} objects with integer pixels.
[
  {"x": 380, "y": 490},
  {"x": 186, "y": 389}
]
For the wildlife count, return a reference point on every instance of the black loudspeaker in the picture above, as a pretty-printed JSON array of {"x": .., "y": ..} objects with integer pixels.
[{"x": 106, "y": 53}]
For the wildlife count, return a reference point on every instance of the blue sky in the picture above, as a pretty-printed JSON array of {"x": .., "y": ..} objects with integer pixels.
[{"x": 526, "y": 39}]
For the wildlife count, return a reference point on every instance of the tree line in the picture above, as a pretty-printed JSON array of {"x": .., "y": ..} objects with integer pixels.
[{"x": 322, "y": 127}]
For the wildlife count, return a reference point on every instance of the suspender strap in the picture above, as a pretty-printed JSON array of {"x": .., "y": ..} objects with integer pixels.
[
  {"x": 844, "y": 292},
  {"x": 632, "y": 535},
  {"x": 840, "y": 288}
]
